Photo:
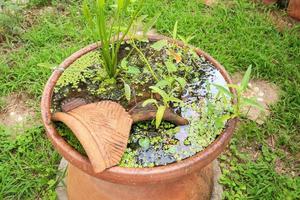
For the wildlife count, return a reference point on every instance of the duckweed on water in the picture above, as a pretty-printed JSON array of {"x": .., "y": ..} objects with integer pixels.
[
  {"x": 172, "y": 143},
  {"x": 78, "y": 71}
]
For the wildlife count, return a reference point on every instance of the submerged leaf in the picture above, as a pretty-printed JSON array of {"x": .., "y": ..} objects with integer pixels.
[
  {"x": 163, "y": 83},
  {"x": 159, "y": 45},
  {"x": 133, "y": 70},
  {"x": 144, "y": 143},
  {"x": 127, "y": 91},
  {"x": 171, "y": 66},
  {"x": 124, "y": 63}
]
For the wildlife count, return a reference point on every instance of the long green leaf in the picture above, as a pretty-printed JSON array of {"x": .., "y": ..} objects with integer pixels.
[
  {"x": 174, "y": 99},
  {"x": 150, "y": 101},
  {"x": 223, "y": 90},
  {"x": 150, "y": 24},
  {"x": 246, "y": 78},
  {"x": 175, "y": 30},
  {"x": 101, "y": 3},
  {"x": 253, "y": 102},
  {"x": 87, "y": 14},
  {"x": 159, "y": 91},
  {"x": 159, "y": 115}
]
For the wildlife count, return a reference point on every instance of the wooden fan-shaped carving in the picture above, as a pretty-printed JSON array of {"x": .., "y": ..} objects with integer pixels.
[{"x": 103, "y": 130}]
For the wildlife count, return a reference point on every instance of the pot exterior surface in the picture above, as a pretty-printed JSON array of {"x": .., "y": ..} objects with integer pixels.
[
  {"x": 195, "y": 186},
  {"x": 294, "y": 9}
]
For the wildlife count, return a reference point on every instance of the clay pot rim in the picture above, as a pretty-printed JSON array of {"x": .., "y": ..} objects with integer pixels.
[{"x": 132, "y": 175}]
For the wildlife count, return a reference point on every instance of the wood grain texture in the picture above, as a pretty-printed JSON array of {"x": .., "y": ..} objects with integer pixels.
[{"x": 102, "y": 128}]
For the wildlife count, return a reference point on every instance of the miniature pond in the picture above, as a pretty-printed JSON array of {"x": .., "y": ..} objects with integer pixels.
[{"x": 179, "y": 71}]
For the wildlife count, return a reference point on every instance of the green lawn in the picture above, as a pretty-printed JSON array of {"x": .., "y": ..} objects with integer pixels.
[{"x": 237, "y": 33}]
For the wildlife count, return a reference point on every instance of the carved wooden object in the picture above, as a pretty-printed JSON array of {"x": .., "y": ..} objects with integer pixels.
[{"x": 102, "y": 128}]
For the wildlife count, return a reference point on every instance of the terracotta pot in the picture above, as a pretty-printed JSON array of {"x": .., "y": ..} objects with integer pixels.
[
  {"x": 294, "y": 9},
  {"x": 178, "y": 180}
]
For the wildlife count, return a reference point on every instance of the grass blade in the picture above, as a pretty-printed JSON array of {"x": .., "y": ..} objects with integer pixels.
[{"x": 246, "y": 78}]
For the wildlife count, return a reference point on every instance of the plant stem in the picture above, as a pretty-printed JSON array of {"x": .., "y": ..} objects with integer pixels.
[{"x": 145, "y": 60}]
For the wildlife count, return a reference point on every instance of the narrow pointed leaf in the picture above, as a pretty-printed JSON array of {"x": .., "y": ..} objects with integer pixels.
[
  {"x": 150, "y": 24},
  {"x": 223, "y": 90},
  {"x": 87, "y": 14},
  {"x": 246, "y": 78},
  {"x": 159, "y": 115},
  {"x": 149, "y": 101},
  {"x": 175, "y": 30},
  {"x": 253, "y": 103},
  {"x": 159, "y": 91}
]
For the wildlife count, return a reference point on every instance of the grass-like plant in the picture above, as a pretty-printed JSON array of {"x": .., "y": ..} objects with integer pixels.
[
  {"x": 241, "y": 100},
  {"x": 161, "y": 108},
  {"x": 97, "y": 14}
]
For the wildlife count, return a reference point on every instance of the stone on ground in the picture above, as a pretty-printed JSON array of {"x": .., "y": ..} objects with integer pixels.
[{"x": 15, "y": 111}]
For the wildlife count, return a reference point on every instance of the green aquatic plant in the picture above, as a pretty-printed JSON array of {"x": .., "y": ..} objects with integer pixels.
[
  {"x": 96, "y": 13},
  {"x": 240, "y": 100},
  {"x": 78, "y": 71},
  {"x": 161, "y": 108}
]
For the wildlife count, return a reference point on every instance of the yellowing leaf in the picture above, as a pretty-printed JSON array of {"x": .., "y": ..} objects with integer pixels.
[{"x": 177, "y": 57}]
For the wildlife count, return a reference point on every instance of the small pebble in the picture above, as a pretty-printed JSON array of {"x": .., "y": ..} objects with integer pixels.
[
  {"x": 256, "y": 89},
  {"x": 260, "y": 99},
  {"x": 12, "y": 113},
  {"x": 261, "y": 94}
]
